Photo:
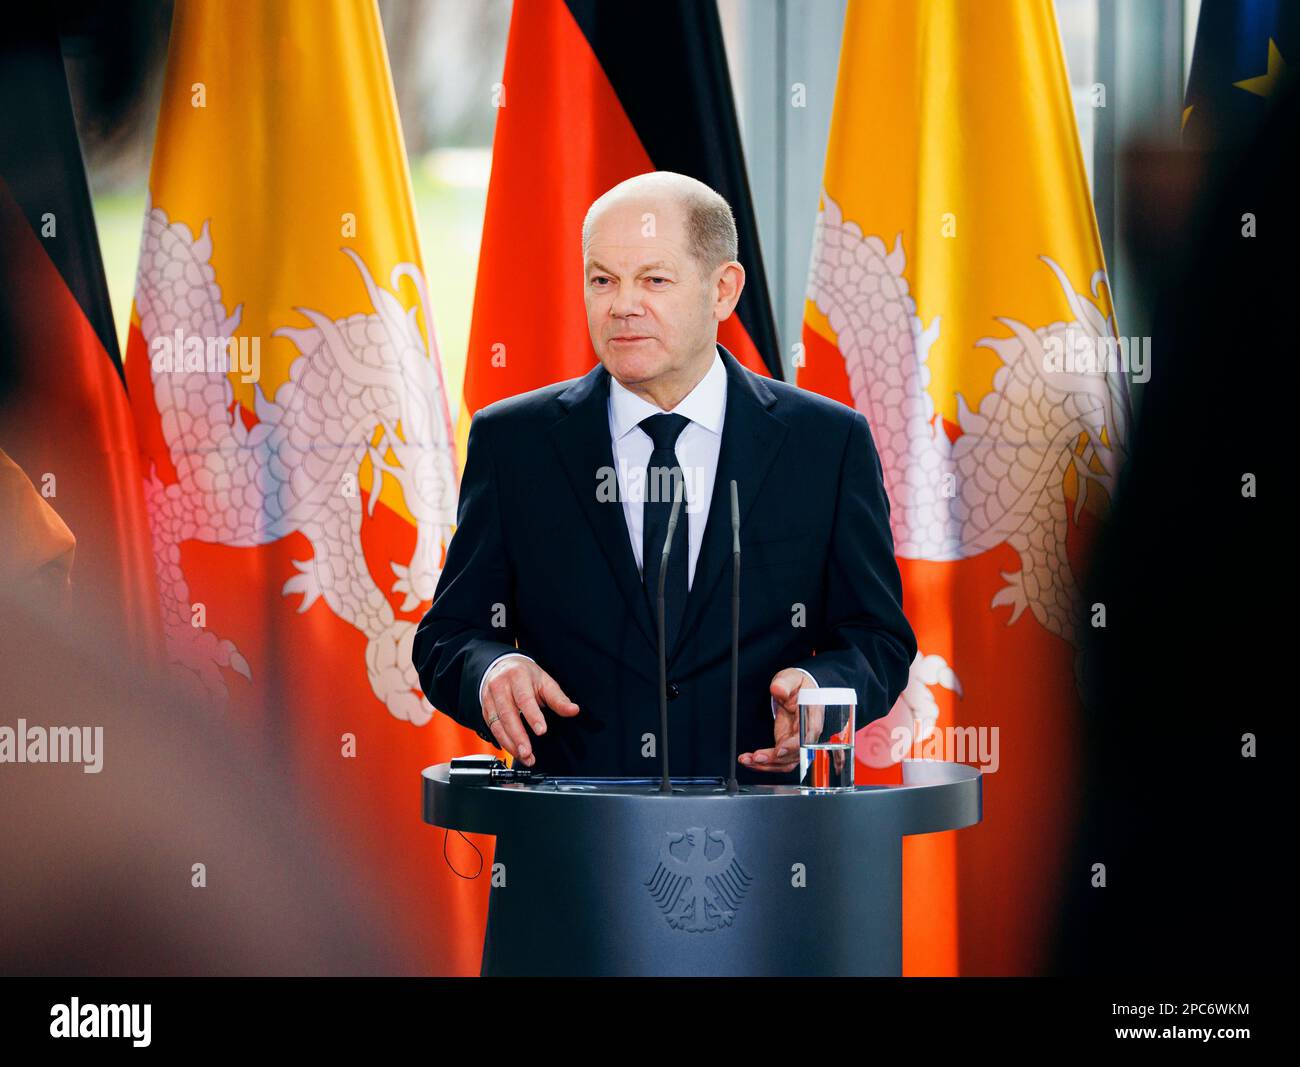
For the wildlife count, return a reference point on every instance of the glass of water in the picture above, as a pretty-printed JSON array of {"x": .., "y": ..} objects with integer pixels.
[{"x": 826, "y": 725}]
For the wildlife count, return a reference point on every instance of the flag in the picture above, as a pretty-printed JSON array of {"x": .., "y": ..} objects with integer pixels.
[
  {"x": 957, "y": 298},
  {"x": 1239, "y": 64},
  {"x": 593, "y": 94},
  {"x": 64, "y": 417},
  {"x": 301, "y": 477}
]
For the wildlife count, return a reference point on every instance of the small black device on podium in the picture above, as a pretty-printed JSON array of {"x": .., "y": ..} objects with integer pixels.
[{"x": 487, "y": 769}]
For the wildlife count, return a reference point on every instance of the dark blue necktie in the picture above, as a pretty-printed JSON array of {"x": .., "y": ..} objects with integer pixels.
[{"x": 662, "y": 475}]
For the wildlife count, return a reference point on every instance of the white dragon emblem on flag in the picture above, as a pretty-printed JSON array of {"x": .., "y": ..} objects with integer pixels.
[
  {"x": 361, "y": 386},
  {"x": 1002, "y": 480}
]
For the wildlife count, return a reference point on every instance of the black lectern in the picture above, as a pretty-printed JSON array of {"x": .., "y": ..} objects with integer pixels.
[{"x": 613, "y": 877}]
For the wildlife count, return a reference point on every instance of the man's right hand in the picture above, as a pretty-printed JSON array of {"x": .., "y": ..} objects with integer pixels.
[{"x": 512, "y": 693}]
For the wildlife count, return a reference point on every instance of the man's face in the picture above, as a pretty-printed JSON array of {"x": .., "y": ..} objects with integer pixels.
[{"x": 650, "y": 313}]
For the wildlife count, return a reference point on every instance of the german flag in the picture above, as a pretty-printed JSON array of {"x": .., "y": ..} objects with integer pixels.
[
  {"x": 594, "y": 94},
  {"x": 64, "y": 417}
]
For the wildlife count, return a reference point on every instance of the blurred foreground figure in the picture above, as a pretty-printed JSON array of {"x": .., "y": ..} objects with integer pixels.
[
  {"x": 36, "y": 546},
  {"x": 1186, "y": 720},
  {"x": 97, "y": 870}
]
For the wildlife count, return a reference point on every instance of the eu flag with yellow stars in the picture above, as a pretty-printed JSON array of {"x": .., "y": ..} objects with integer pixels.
[{"x": 1239, "y": 67}]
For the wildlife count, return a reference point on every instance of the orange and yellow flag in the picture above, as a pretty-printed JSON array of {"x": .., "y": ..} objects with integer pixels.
[
  {"x": 300, "y": 463},
  {"x": 957, "y": 298}
]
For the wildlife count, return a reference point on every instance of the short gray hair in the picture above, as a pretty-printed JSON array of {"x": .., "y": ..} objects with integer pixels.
[{"x": 710, "y": 225}]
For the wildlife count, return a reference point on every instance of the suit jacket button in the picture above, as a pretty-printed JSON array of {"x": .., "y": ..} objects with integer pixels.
[{"x": 673, "y": 691}]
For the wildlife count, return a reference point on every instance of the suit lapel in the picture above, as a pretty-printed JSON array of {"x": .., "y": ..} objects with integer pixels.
[
  {"x": 581, "y": 435},
  {"x": 751, "y": 438}
]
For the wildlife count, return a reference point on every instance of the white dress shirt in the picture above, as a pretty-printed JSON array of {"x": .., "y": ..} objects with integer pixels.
[{"x": 697, "y": 451}]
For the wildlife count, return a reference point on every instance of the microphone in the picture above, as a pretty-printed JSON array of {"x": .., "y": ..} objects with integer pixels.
[
  {"x": 666, "y": 786},
  {"x": 732, "y": 785}
]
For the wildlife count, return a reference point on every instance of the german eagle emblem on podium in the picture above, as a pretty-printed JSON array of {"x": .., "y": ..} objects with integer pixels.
[{"x": 698, "y": 883}]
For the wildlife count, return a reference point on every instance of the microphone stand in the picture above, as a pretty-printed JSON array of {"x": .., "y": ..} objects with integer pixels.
[
  {"x": 666, "y": 786},
  {"x": 733, "y": 786}
]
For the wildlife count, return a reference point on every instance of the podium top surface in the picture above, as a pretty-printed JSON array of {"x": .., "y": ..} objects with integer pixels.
[{"x": 934, "y": 795}]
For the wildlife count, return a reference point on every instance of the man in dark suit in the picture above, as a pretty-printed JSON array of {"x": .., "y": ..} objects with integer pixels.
[{"x": 542, "y": 636}]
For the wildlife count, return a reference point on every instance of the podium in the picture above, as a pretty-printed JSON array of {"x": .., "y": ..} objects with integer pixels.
[{"x": 611, "y": 877}]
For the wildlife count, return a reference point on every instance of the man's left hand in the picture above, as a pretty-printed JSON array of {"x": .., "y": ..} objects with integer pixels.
[{"x": 783, "y": 756}]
